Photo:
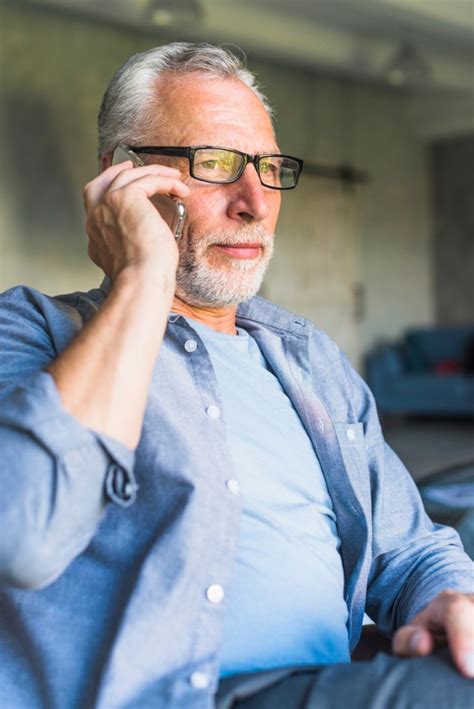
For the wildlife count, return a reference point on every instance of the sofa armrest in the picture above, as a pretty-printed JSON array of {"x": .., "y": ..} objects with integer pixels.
[{"x": 383, "y": 364}]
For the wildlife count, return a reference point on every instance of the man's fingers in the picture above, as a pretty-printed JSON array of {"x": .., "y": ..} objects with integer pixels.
[
  {"x": 448, "y": 618},
  {"x": 120, "y": 175},
  {"x": 125, "y": 177},
  {"x": 150, "y": 185},
  {"x": 412, "y": 641},
  {"x": 459, "y": 627},
  {"x": 94, "y": 190},
  {"x": 453, "y": 614}
]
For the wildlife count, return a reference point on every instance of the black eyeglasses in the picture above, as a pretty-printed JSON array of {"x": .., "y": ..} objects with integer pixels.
[{"x": 222, "y": 166}]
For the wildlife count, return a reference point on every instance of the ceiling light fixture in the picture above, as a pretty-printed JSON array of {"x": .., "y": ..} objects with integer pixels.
[
  {"x": 407, "y": 66},
  {"x": 167, "y": 13}
]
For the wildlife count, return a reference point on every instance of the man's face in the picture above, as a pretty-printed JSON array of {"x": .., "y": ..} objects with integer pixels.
[{"x": 229, "y": 232}]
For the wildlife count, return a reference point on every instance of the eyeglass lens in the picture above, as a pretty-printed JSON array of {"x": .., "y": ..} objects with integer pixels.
[{"x": 220, "y": 165}]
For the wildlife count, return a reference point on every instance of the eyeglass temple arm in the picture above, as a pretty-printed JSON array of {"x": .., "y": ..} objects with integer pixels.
[{"x": 155, "y": 150}]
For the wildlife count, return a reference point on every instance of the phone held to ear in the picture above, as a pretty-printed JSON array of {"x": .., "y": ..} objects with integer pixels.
[{"x": 171, "y": 209}]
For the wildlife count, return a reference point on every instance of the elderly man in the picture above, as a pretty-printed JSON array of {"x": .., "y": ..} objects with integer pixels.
[{"x": 196, "y": 494}]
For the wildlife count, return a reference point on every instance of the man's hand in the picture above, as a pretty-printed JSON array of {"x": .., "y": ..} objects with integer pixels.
[
  {"x": 449, "y": 618},
  {"x": 124, "y": 227},
  {"x": 104, "y": 374}
]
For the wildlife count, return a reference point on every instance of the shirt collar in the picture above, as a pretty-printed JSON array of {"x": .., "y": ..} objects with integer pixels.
[{"x": 256, "y": 310}]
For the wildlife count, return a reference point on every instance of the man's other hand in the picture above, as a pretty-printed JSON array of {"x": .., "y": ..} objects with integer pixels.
[{"x": 449, "y": 618}]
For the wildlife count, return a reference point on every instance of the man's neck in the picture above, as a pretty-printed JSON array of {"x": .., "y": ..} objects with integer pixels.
[{"x": 219, "y": 319}]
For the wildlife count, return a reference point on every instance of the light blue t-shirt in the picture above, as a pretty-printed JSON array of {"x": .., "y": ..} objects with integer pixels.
[{"x": 285, "y": 605}]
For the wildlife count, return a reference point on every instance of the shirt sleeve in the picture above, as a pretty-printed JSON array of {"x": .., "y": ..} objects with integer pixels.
[
  {"x": 56, "y": 476},
  {"x": 413, "y": 559}
]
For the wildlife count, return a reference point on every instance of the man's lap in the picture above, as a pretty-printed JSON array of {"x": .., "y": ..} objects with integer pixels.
[{"x": 386, "y": 682}]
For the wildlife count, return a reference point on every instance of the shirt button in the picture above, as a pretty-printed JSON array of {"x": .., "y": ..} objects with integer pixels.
[
  {"x": 350, "y": 433},
  {"x": 215, "y": 593},
  {"x": 233, "y": 486},
  {"x": 190, "y": 345},
  {"x": 200, "y": 680},
  {"x": 213, "y": 411}
]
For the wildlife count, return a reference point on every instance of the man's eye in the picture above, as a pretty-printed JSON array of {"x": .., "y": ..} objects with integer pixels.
[
  {"x": 268, "y": 168},
  {"x": 210, "y": 164}
]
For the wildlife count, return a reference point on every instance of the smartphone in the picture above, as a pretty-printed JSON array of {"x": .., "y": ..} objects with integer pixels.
[{"x": 171, "y": 209}]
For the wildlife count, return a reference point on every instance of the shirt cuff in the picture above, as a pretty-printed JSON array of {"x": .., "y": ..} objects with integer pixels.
[{"x": 35, "y": 406}]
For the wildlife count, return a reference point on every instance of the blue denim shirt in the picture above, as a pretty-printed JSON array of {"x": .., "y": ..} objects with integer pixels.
[{"x": 107, "y": 556}]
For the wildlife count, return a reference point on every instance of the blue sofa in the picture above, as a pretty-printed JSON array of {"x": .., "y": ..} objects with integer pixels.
[{"x": 430, "y": 372}]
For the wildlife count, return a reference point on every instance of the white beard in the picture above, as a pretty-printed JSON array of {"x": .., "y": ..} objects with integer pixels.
[{"x": 229, "y": 282}]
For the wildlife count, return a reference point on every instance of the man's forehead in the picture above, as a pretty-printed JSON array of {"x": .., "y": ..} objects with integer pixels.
[
  {"x": 229, "y": 91},
  {"x": 204, "y": 107}
]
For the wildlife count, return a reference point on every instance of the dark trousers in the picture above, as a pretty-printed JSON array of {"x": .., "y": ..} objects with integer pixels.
[{"x": 385, "y": 682}]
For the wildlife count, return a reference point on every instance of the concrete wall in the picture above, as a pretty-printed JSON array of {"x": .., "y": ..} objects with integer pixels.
[
  {"x": 453, "y": 183},
  {"x": 54, "y": 70},
  {"x": 329, "y": 120}
]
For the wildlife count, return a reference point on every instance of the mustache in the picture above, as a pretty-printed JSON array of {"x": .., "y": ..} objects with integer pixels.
[{"x": 249, "y": 234}]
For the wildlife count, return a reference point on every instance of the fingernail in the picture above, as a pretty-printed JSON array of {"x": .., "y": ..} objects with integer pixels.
[
  {"x": 416, "y": 640},
  {"x": 468, "y": 662}
]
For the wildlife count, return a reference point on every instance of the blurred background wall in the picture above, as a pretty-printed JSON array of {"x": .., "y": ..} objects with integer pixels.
[{"x": 376, "y": 89}]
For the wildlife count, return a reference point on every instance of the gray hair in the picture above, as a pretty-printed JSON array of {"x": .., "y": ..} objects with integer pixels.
[{"x": 131, "y": 100}]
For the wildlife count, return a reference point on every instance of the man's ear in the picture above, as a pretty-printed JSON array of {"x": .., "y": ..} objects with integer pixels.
[{"x": 105, "y": 161}]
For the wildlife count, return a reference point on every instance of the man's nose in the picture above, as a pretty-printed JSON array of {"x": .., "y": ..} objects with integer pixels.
[{"x": 250, "y": 199}]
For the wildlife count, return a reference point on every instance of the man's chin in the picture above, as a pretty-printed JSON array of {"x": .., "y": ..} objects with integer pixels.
[
  {"x": 216, "y": 295},
  {"x": 215, "y": 279},
  {"x": 203, "y": 300}
]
